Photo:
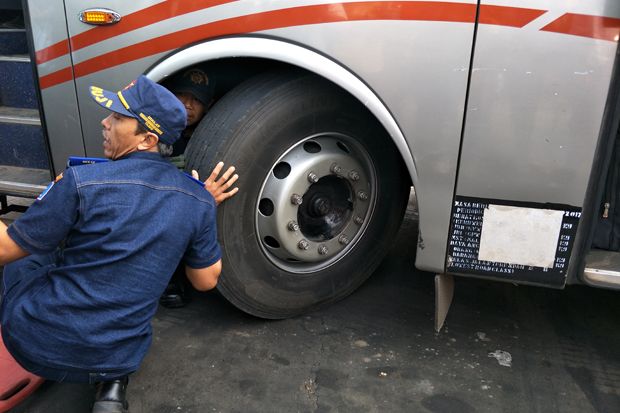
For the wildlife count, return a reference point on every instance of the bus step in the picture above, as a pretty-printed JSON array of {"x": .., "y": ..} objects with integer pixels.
[
  {"x": 17, "y": 87},
  {"x": 11, "y": 14},
  {"x": 603, "y": 269},
  {"x": 19, "y": 58},
  {"x": 23, "y": 182},
  {"x": 19, "y": 116},
  {"x": 23, "y": 144},
  {"x": 13, "y": 42}
]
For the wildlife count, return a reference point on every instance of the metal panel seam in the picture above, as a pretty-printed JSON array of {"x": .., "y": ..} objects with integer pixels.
[{"x": 458, "y": 160}]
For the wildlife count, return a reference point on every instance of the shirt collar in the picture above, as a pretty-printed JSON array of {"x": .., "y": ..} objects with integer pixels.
[{"x": 153, "y": 156}]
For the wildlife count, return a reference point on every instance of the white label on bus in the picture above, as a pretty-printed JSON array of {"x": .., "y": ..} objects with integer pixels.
[{"x": 515, "y": 235}]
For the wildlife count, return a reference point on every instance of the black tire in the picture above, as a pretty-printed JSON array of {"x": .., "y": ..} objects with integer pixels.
[{"x": 252, "y": 127}]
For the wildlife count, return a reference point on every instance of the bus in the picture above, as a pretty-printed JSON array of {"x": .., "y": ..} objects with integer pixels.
[{"x": 502, "y": 115}]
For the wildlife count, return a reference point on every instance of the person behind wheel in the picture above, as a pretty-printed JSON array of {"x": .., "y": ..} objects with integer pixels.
[{"x": 195, "y": 90}]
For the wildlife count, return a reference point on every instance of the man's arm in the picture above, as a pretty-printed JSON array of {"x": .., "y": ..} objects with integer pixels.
[
  {"x": 9, "y": 250},
  {"x": 204, "y": 279}
]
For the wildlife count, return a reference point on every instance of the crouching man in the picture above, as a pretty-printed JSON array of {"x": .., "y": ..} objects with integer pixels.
[{"x": 105, "y": 240}]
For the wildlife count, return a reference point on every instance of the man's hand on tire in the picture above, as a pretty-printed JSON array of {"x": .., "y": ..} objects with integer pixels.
[{"x": 218, "y": 187}]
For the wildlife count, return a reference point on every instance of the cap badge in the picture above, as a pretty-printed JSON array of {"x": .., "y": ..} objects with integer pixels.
[{"x": 197, "y": 77}]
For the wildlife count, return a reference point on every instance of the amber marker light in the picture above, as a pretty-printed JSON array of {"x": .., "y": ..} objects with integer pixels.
[{"x": 99, "y": 16}]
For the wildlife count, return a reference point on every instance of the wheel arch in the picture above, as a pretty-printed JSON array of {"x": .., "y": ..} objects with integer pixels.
[{"x": 295, "y": 55}]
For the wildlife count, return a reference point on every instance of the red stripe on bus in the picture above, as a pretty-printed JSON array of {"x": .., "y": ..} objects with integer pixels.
[
  {"x": 297, "y": 16},
  {"x": 305, "y": 15},
  {"x": 52, "y": 52},
  {"x": 508, "y": 16},
  {"x": 53, "y": 79},
  {"x": 136, "y": 20},
  {"x": 596, "y": 27}
]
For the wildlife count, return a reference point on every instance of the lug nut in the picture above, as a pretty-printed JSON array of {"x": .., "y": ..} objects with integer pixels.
[
  {"x": 359, "y": 220},
  {"x": 354, "y": 175},
  {"x": 362, "y": 195},
  {"x": 293, "y": 226},
  {"x": 343, "y": 239},
  {"x": 296, "y": 199},
  {"x": 322, "y": 249},
  {"x": 303, "y": 245},
  {"x": 312, "y": 178},
  {"x": 335, "y": 168}
]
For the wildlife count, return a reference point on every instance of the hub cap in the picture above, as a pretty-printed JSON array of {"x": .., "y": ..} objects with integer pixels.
[{"x": 316, "y": 202}]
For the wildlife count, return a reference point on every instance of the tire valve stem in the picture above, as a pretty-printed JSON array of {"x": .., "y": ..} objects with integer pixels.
[
  {"x": 296, "y": 199},
  {"x": 343, "y": 239},
  {"x": 323, "y": 250},
  {"x": 354, "y": 176},
  {"x": 335, "y": 168},
  {"x": 359, "y": 220},
  {"x": 362, "y": 195},
  {"x": 293, "y": 226},
  {"x": 303, "y": 245},
  {"x": 312, "y": 178},
  {"x": 607, "y": 205}
]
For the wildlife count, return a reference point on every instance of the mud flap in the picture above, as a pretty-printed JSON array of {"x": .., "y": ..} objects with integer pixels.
[{"x": 444, "y": 292}]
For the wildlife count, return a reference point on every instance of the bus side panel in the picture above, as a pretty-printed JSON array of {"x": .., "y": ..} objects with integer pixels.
[{"x": 535, "y": 107}]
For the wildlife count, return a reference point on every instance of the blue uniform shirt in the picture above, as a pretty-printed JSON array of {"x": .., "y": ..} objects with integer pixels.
[{"x": 123, "y": 227}]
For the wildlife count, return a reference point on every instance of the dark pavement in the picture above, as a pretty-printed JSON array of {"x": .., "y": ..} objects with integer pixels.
[{"x": 377, "y": 351}]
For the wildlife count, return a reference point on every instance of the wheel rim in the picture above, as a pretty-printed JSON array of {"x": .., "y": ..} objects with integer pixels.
[{"x": 315, "y": 203}]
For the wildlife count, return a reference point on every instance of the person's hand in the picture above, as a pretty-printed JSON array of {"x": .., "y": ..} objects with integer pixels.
[{"x": 217, "y": 187}]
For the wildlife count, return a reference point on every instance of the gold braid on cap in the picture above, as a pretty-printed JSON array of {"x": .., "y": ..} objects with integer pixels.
[{"x": 122, "y": 99}]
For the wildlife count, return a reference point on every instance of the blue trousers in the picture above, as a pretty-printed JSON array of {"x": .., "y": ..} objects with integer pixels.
[{"x": 18, "y": 275}]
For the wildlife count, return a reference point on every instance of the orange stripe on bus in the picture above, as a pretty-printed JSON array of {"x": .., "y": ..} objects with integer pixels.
[
  {"x": 297, "y": 16},
  {"x": 596, "y": 27},
  {"x": 305, "y": 15},
  {"x": 508, "y": 16},
  {"x": 136, "y": 20},
  {"x": 53, "y": 79},
  {"x": 52, "y": 52},
  {"x": 142, "y": 18}
]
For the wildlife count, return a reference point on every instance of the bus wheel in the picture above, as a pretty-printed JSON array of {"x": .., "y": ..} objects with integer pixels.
[{"x": 322, "y": 192}]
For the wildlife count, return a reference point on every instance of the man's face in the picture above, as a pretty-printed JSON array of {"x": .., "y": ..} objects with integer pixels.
[
  {"x": 119, "y": 135},
  {"x": 195, "y": 109}
]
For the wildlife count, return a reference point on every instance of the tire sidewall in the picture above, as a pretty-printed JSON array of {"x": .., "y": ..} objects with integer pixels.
[{"x": 254, "y": 155}]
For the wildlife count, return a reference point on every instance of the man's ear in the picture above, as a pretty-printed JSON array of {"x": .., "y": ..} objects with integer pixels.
[{"x": 148, "y": 142}]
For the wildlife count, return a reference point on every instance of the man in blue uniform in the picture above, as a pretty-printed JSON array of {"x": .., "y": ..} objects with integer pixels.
[{"x": 104, "y": 240}]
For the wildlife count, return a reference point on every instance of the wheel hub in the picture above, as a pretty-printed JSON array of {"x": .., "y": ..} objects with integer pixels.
[
  {"x": 326, "y": 208},
  {"x": 319, "y": 206},
  {"x": 315, "y": 202}
]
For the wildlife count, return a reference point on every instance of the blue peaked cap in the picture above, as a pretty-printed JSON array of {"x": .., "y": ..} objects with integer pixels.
[{"x": 151, "y": 104}]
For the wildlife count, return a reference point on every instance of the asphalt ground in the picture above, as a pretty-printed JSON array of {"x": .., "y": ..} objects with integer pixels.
[{"x": 504, "y": 348}]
